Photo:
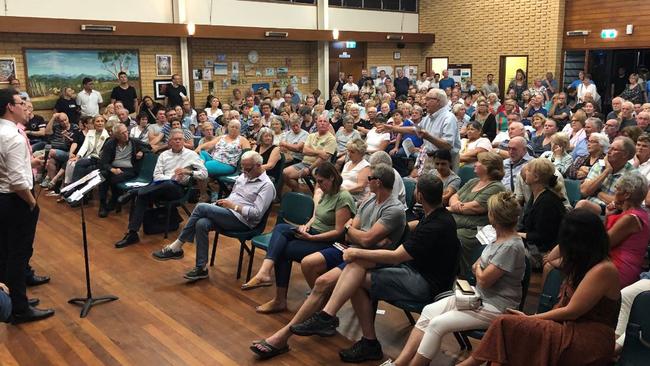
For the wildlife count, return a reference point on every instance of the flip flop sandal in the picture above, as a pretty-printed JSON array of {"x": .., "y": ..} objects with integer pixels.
[
  {"x": 255, "y": 283},
  {"x": 272, "y": 351}
]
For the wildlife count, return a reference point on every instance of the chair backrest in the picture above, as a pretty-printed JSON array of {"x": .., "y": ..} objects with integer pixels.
[
  {"x": 409, "y": 187},
  {"x": 257, "y": 230},
  {"x": 636, "y": 349},
  {"x": 147, "y": 166},
  {"x": 475, "y": 255},
  {"x": 295, "y": 208},
  {"x": 572, "y": 190},
  {"x": 525, "y": 283},
  {"x": 550, "y": 291},
  {"x": 466, "y": 172}
]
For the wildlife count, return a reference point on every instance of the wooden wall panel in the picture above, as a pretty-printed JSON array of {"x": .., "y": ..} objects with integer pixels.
[{"x": 596, "y": 15}]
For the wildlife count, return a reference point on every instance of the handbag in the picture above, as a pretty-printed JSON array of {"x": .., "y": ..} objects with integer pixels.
[
  {"x": 466, "y": 300},
  {"x": 156, "y": 218}
]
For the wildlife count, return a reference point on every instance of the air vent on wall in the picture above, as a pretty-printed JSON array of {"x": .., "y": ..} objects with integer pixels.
[
  {"x": 98, "y": 28},
  {"x": 276, "y": 34}
]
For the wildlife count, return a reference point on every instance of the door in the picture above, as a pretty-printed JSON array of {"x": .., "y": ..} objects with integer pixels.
[
  {"x": 348, "y": 58},
  {"x": 508, "y": 67}
]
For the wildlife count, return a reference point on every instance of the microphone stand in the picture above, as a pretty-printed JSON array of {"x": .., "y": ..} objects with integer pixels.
[{"x": 87, "y": 302}]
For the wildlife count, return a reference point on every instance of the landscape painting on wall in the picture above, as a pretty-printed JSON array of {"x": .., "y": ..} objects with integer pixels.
[{"x": 49, "y": 70}]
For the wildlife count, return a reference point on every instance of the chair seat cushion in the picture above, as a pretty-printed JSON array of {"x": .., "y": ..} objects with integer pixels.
[
  {"x": 476, "y": 334},
  {"x": 262, "y": 241},
  {"x": 414, "y": 307}
]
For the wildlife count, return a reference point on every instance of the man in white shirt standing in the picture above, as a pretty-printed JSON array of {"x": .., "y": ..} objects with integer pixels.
[
  {"x": 171, "y": 174},
  {"x": 350, "y": 86},
  {"x": 18, "y": 208},
  {"x": 89, "y": 99}
]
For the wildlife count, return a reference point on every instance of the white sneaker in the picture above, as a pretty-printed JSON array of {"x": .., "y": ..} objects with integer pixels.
[{"x": 388, "y": 362}]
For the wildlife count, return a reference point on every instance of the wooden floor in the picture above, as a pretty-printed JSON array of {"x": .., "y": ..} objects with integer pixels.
[{"x": 159, "y": 318}]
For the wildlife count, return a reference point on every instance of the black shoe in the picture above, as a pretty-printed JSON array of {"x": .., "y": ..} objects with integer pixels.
[
  {"x": 130, "y": 238},
  {"x": 33, "y": 301},
  {"x": 31, "y": 315},
  {"x": 363, "y": 350},
  {"x": 36, "y": 280},
  {"x": 110, "y": 206},
  {"x": 321, "y": 324},
  {"x": 126, "y": 197},
  {"x": 118, "y": 208},
  {"x": 103, "y": 212},
  {"x": 166, "y": 254},
  {"x": 196, "y": 274}
]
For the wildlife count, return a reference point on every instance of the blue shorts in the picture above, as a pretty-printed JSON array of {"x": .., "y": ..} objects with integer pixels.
[
  {"x": 61, "y": 156},
  {"x": 333, "y": 258}
]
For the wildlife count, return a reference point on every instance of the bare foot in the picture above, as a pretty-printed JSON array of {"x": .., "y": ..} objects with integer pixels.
[{"x": 272, "y": 307}]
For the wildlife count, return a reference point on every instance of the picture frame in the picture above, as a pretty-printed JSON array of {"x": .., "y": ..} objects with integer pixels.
[
  {"x": 7, "y": 69},
  {"x": 159, "y": 88},
  {"x": 163, "y": 65},
  {"x": 397, "y": 55}
]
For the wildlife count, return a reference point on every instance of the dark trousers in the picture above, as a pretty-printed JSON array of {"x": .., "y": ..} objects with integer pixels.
[
  {"x": 83, "y": 167},
  {"x": 285, "y": 248},
  {"x": 111, "y": 181},
  {"x": 16, "y": 239},
  {"x": 164, "y": 191}
]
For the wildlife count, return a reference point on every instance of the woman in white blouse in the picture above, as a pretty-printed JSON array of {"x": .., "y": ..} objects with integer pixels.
[
  {"x": 214, "y": 111},
  {"x": 377, "y": 141},
  {"x": 473, "y": 144},
  {"x": 356, "y": 171}
]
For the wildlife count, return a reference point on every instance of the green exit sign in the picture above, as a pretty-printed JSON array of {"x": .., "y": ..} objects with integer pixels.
[
  {"x": 608, "y": 33},
  {"x": 350, "y": 44}
]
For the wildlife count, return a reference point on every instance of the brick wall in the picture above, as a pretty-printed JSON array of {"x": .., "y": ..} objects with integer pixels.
[
  {"x": 299, "y": 57},
  {"x": 381, "y": 54},
  {"x": 478, "y": 32},
  {"x": 12, "y": 46}
]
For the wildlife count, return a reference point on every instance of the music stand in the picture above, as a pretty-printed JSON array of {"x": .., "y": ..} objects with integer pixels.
[{"x": 91, "y": 180}]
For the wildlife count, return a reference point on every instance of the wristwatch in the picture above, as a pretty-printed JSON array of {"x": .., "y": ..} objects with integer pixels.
[{"x": 346, "y": 228}]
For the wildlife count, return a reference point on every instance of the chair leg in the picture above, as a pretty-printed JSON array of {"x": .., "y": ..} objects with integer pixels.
[
  {"x": 410, "y": 317},
  {"x": 214, "y": 248},
  {"x": 169, "y": 213},
  {"x": 460, "y": 341},
  {"x": 251, "y": 257},
  {"x": 467, "y": 341},
  {"x": 186, "y": 211},
  {"x": 241, "y": 258}
]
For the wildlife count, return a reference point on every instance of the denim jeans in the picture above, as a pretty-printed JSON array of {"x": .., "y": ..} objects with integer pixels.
[
  {"x": 285, "y": 248},
  {"x": 204, "y": 218},
  {"x": 5, "y": 307}
]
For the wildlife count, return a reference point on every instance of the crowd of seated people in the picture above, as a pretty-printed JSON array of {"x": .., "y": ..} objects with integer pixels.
[{"x": 356, "y": 153}]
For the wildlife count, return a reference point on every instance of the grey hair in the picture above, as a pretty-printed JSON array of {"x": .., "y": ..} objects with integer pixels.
[
  {"x": 385, "y": 174},
  {"x": 440, "y": 94},
  {"x": 234, "y": 121},
  {"x": 176, "y": 131},
  {"x": 419, "y": 109},
  {"x": 251, "y": 154},
  {"x": 457, "y": 107},
  {"x": 348, "y": 119},
  {"x": 380, "y": 157},
  {"x": 116, "y": 127},
  {"x": 603, "y": 140},
  {"x": 597, "y": 122},
  {"x": 628, "y": 145},
  {"x": 634, "y": 184},
  {"x": 263, "y": 131}
]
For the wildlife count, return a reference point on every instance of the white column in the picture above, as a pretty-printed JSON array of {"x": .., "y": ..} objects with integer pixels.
[
  {"x": 323, "y": 48},
  {"x": 185, "y": 62}
]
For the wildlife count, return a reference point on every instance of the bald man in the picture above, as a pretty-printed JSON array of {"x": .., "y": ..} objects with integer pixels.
[
  {"x": 515, "y": 129},
  {"x": 518, "y": 157}
]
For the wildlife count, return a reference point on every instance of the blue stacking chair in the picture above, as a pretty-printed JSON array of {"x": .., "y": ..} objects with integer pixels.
[
  {"x": 636, "y": 349},
  {"x": 550, "y": 291},
  {"x": 180, "y": 202},
  {"x": 295, "y": 208},
  {"x": 466, "y": 172},
  {"x": 145, "y": 174},
  {"x": 243, "y": 237},
  {"x": 572, "y": 191}
]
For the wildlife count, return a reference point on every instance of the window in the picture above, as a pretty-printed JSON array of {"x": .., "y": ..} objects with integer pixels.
[{"x": 389, "y": 5}]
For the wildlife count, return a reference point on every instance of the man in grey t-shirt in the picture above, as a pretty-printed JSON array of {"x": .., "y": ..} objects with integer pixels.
[
  {"x": 293, "y": 141},
  {"x": 379, "y": 223}
]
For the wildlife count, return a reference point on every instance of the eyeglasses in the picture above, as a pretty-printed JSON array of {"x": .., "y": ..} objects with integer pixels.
[
  {"x": 22, "y": 102},
  {"x": 371, "y": 178}
]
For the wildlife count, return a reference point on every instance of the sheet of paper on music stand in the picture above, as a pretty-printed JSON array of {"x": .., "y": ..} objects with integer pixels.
[
  {"x": 81, "y": 181},
  {"x": 486, "y": 234},
  {"x": 77, "y": 195}
]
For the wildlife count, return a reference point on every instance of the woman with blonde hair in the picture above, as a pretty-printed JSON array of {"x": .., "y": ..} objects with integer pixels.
[
  {"x": 558, "y": 155},
  {"x": 544, "y": 211},
  {"x": 499, "y": 272},
  {"x": 356, "y": 171},
  {"x": 576, "y": 129}
]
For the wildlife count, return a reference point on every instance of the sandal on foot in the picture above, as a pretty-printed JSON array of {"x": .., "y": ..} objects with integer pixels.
[
  {"x": 255, "y": 283},
  {"x": 268, "y": 308},
  {"x": 271, "y": 350}
]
